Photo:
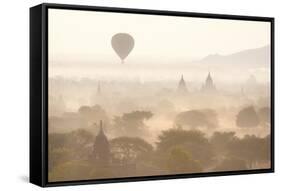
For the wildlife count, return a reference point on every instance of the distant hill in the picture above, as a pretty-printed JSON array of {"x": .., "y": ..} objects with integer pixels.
[{"x": 251, "y": 58}]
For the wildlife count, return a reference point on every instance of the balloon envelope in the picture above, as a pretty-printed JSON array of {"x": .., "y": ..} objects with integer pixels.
[{"x": 123, "y": 44}]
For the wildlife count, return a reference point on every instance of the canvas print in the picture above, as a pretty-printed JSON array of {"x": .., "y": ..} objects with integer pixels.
[{"x": 133, "y": 95}]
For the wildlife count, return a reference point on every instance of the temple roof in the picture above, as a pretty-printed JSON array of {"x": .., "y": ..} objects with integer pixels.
[
  {"x": 209, "y": 85},
  {"x": 101, "y": 136},
  {"x": 209, "y": 78},
  {"x": 182, "y": 82},
  {"x": 101, "y": 144}
]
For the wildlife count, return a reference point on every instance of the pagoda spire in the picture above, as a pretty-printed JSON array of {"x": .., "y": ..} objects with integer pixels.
[
  {"x": 209, "y": 86},
  {"x": 182, "y": 85},
  {"x": 101, "y": 152}
]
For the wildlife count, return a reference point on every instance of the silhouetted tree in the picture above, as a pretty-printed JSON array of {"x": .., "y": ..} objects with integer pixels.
[
  {"x": 130, "y": 149},
  {"x": 64, "y": 147},
  {"x": 85, "y": 111},
  {"x": 252, "y": 149},
  {"x": 74, "y": 139},
  {"x": 179, "y": 161},
  {"x": 197, "y": 118},
  {"x": 92, "y": 115},
  {"x": 193, "y": 142},
  {"x": 131, "y": 124},
  {"x": 220, "y": 142},
  {"x": 231, "y": 164},
  {"x": 247, "y": 117},
  {"x": 137, "y": 115}
]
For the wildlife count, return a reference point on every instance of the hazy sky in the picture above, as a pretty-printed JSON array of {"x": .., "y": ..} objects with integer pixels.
[
  {"x": 80, "y": 45},
  {"x": 84, "y": 37}
]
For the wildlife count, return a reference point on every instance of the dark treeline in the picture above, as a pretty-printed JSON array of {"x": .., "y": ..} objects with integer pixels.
[{"x": 184, "y": 148}]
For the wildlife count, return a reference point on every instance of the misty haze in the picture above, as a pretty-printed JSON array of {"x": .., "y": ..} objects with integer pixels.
[{"x": 153, "y": 95}]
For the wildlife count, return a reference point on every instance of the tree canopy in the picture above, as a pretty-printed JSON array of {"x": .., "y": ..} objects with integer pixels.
[
  {"x": 131, "y": 124},
  {"x": 247, "y": 117},
  {"x": 197, "y": 118},
  {"x": 129, "y": 149},
  {"x": 192, "y": 141},
  {"x": 179, "y": 161}
]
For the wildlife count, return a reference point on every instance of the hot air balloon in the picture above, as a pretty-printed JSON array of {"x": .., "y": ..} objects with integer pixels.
[{"x": 122, "y": 44}]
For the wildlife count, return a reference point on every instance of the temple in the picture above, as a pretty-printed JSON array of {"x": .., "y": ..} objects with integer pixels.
[
  {"x": 104, "y": 161},
  {"x": 101, "y": 152},
  {"x": 209, "y": 86},
  {"x": 182, "y": 86}
]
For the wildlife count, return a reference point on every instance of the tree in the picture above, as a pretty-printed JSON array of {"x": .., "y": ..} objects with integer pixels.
[
  {"x": 220, "y": 142},
  {"x": 180, "y": 161},
  {"x": 247, "y": 117},
  {"x": 137, "y": 115},
  {"x": 56, "y": 140},
  {"x": 131, "y": 123},
  {"x": 265, "y": 150},
  {"x": 252, "y": 149},
  {"x": 92, "y": 115},
  {"x": 130, "y": 149},
  {"x": 197, "y": 118},
  {"x": 64, "y": 147},
  {"x": 231, "y": 164},
  {"x": 72, "y": 140},
  {"x": 79, "y": 138},
  {"x": 85, "y": 111},
  {"x": 192, "y": 141}
]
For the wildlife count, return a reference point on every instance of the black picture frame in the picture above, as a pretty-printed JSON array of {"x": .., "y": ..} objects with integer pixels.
[{"x": 39, "y": 92}]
